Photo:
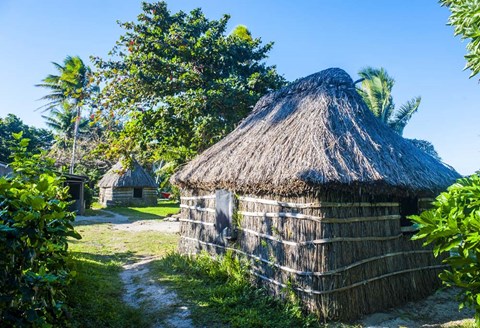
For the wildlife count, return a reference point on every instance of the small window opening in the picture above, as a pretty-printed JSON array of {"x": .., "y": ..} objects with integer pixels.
[
  {"x": 224, "y": 208},
  {"x": 408, "y": 206},
  {"x": 137, "y": 192}
]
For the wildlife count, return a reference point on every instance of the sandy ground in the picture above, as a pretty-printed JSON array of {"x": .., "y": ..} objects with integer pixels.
[{"x": 438, "y": 310}]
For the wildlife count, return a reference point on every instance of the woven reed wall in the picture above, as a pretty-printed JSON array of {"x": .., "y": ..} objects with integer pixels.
[
  {"x": 344, "y": 255},
  {"x": 124, "y": 197}
]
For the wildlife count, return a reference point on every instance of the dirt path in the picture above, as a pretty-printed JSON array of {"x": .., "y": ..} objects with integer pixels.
[{"x": 141, "y": 290}]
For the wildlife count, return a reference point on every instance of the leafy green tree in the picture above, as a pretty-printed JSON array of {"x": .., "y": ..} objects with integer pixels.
[
  {"x": 465, "y": 19},
  {"x": 453, "y": 226},
  {"x": 34, "y": 226},
  {"x": 73, "y": 85},
  {"x": 376, "y": 91},
  {"x": 40, "y": 139},
  {"x": 179, "y": 83}
]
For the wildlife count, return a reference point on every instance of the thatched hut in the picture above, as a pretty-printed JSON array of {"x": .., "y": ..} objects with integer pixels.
[
  {"x": 315, "y": 190},
  {"x": 127, "y": 187}
]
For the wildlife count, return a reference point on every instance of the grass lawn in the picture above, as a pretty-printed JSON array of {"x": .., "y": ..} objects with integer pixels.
[
  {"x": 164, "y": 208},
  {"x": 95, "y": 296}
]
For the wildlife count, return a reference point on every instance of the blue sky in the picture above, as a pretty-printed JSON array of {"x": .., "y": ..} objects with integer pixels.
[{"x": 408, "y": 38}]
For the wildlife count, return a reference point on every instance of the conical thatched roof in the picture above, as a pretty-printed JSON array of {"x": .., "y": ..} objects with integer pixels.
[
  {"x": 118, "y": 177},
  {"x": 316, "y": 132}
]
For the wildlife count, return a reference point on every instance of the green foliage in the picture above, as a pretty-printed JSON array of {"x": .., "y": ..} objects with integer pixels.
[
  {"x": 376, "y": 91},
  {"x": 224, "y": 295},
  {"x": 34, "y": 226},
  {"x": 242, "y": 32},
  {"x": 453, "y": 227},
  {"x": 465, "y": 18},
  {"x": 73, "y": 90},
  {"x": 88, "y": 196},
  {"x": 40, "y": 139},
  {"x": 180, "y": 82}
]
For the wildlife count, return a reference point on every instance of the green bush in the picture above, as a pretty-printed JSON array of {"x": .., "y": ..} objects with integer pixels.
[
  {"x": 34, "y": 226},
  {"x": 453, "y": 227},
  {"x": 88, "y": 196}
]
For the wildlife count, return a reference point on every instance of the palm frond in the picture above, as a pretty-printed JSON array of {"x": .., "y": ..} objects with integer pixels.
[
  {"x": 404, "y": 114},
  {"x": 376, "y": 91}
]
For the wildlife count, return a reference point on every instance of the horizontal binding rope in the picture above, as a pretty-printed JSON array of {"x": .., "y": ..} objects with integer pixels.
[
  {"x": 318, "y": 292},
  {"x": 320, "y": 241},
  {"x": 318, "y": 218},
  {"x": 198, "y": 197},
  {"x": 315, "y": 205},
  {"x": 312, "y": 273},
  {"x": 197, "y": 222},
  {"x": 360, "y": 283},
  {"x": 198, "y": 208},
  {"x": 426, "y": 199}
]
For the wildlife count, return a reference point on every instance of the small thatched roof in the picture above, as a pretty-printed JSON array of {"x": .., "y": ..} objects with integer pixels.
[
  {"x": 316, "y": 132},
  {"x": 118, "y": 177}
]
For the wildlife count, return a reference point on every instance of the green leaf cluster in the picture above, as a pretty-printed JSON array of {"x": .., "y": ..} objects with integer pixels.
[
  {"x": 453, "y": 227},
  {"x": 465, "y": 18},
  {"x": 34, "y": 226},
  {"x": 40, "y": 139},
  {"x": 179, "y": 82}
]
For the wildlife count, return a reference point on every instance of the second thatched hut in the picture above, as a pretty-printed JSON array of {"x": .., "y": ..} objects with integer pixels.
[
  {"x": 314, "y": 190},
  {"x": 127, "y": 187}
]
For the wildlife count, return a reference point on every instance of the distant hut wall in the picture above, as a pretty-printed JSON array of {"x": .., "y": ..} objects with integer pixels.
[
  {"x": 344, "y": 254},
  {"x": 128, "y": 196}
]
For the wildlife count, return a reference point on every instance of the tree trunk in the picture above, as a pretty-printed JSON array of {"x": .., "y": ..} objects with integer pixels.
[{"x": 75, "y": 137}]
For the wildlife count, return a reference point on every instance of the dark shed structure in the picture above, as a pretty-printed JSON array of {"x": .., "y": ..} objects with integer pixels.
[
  {"x": 76, "y": 190},
  {"x": 315, "y": 190},
  {"x": 120, "y": 186}
]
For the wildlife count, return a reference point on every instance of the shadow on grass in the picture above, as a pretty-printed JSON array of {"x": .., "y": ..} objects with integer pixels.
[{"x": 95, "y": 294}]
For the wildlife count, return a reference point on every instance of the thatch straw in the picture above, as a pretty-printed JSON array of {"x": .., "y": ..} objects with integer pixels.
[
  {"x": 317, "y": 132},
  {"x": 118, "y": 177}
]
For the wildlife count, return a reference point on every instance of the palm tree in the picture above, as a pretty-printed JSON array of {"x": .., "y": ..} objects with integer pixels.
[
  {"x": 72, "y": 86},
  {"x": 376, "y": 91},
  {"x": 62, "y": 122}
]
